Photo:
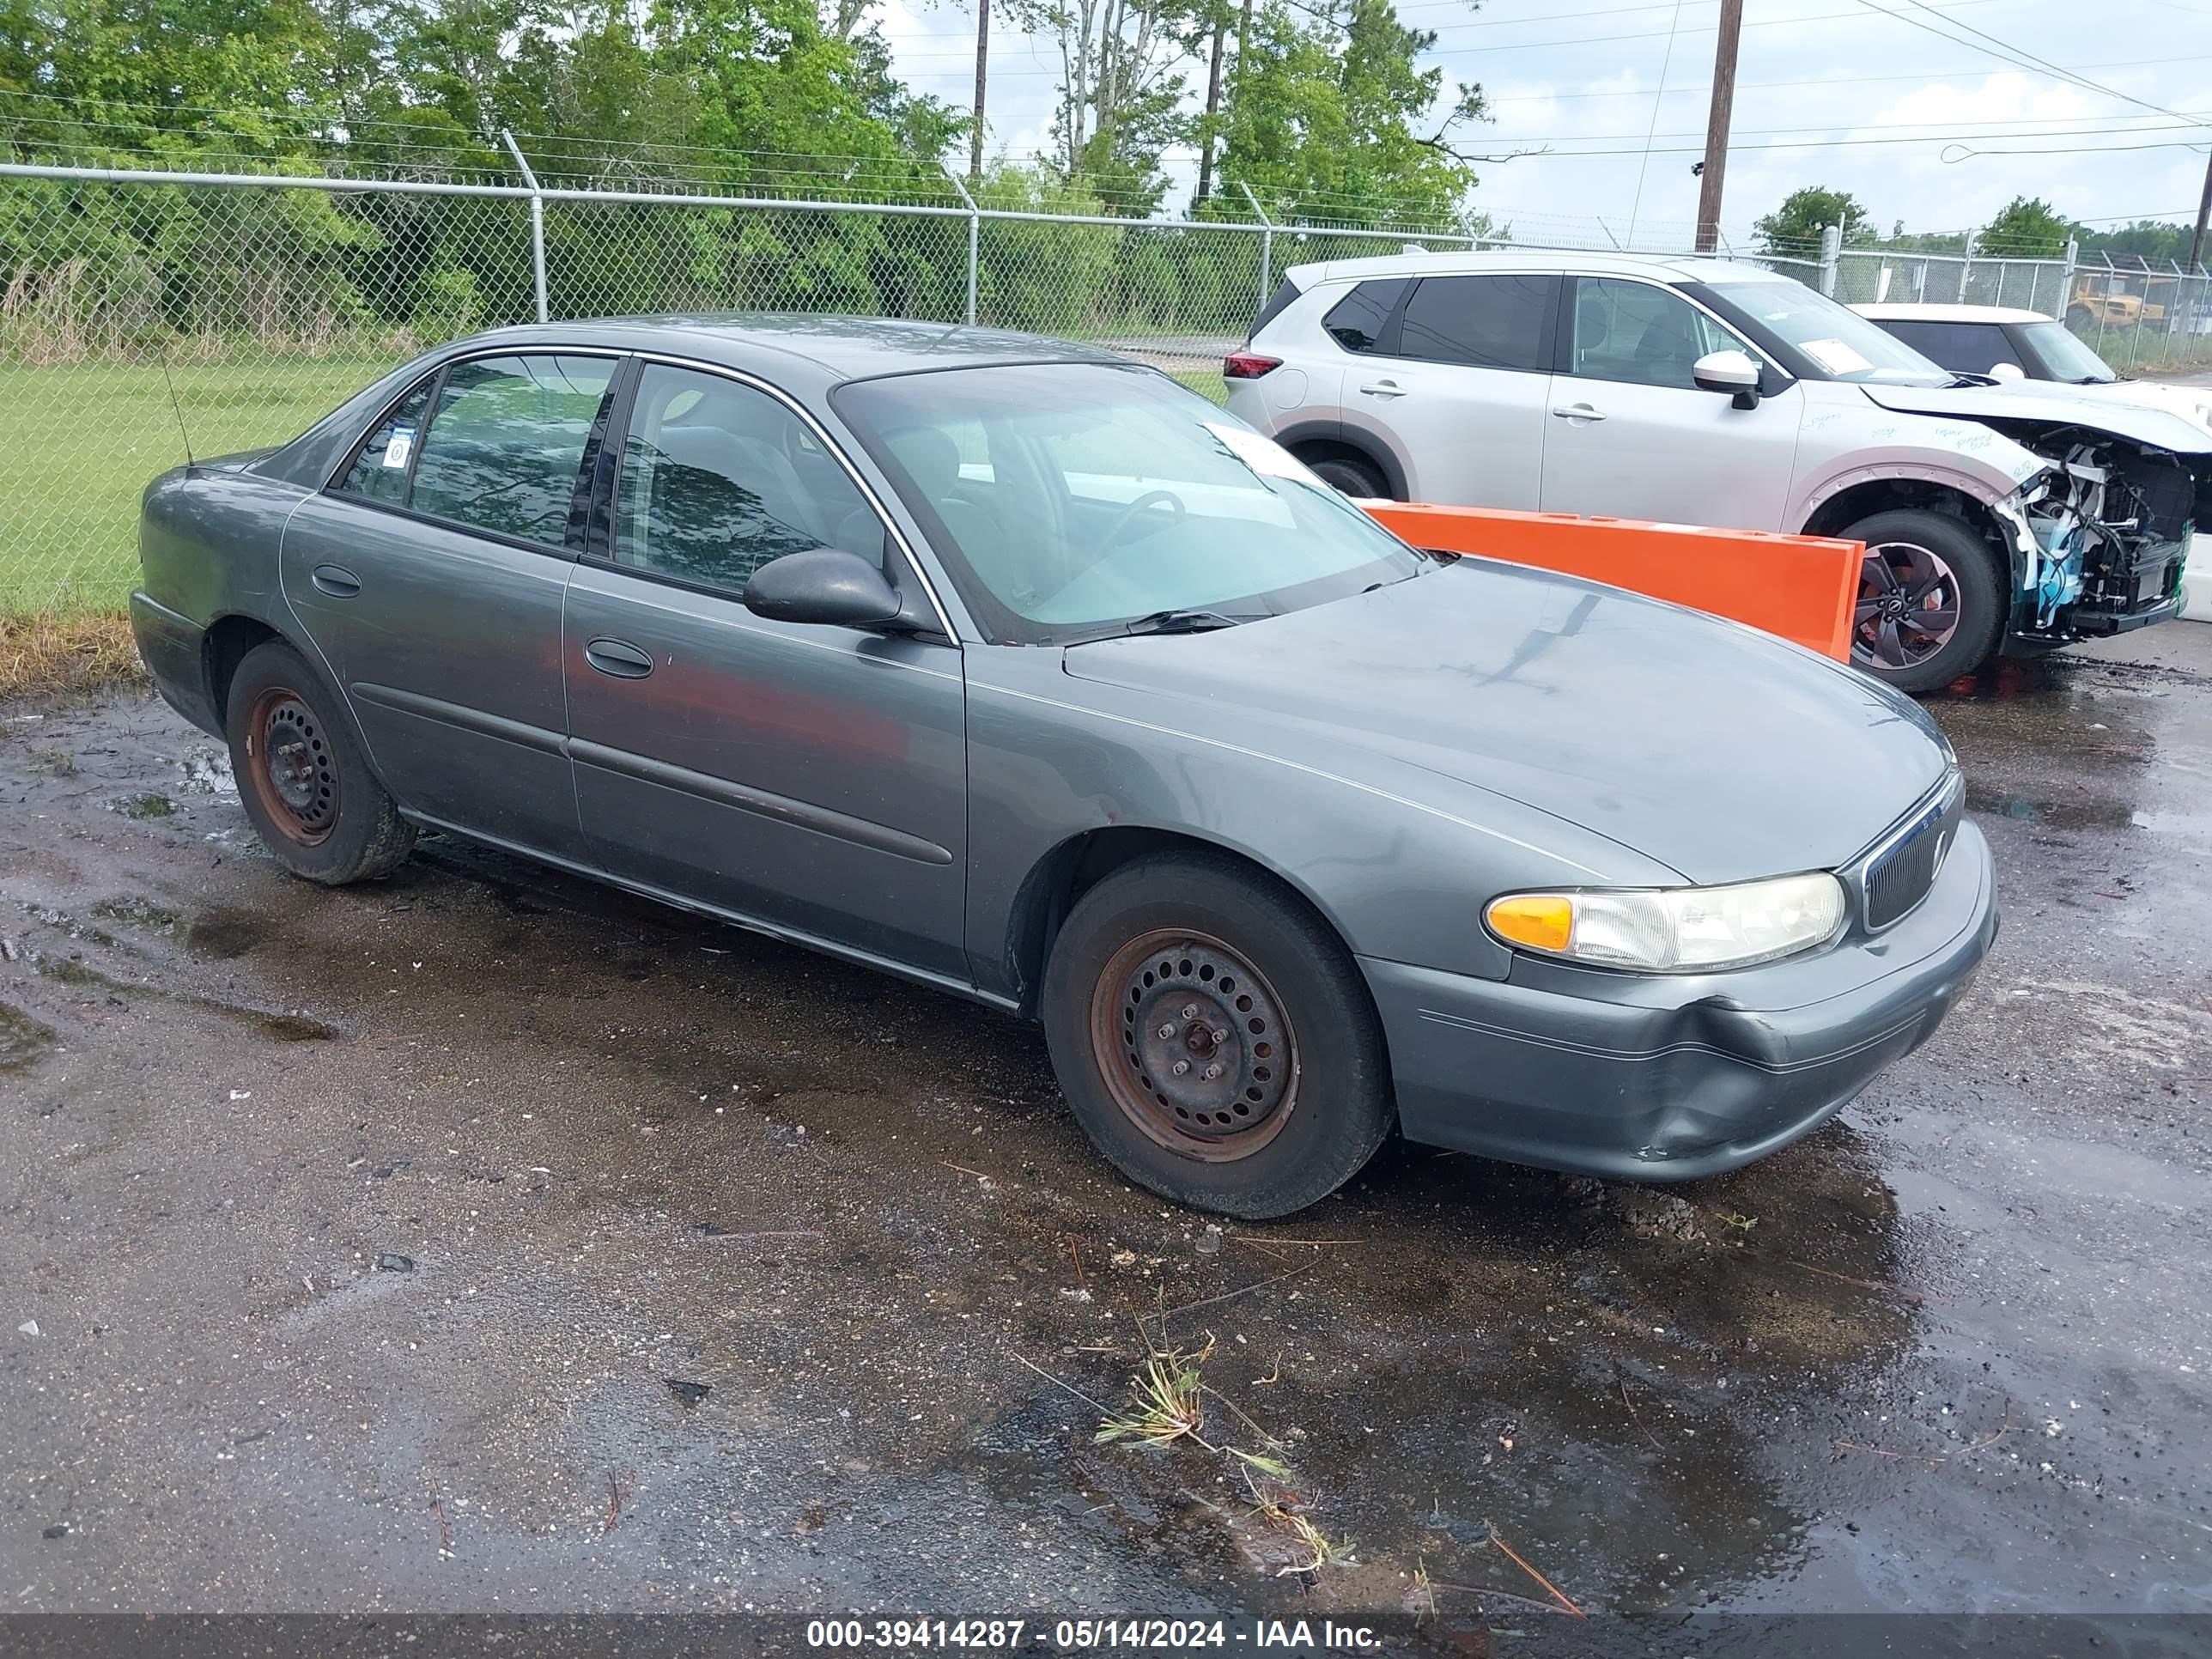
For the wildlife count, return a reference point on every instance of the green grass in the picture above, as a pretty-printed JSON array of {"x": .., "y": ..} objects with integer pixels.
[
  {"x": 1206, "y": 382},
  {"x": 78, "y": 443}
]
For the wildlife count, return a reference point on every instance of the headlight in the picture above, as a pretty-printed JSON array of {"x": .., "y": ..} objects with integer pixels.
[{"x": 1677, "y": 929}]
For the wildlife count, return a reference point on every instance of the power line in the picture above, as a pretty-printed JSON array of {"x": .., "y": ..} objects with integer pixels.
[
  {"x": 1666, "y": 63},
  {"x": 2018, "y": 57}
]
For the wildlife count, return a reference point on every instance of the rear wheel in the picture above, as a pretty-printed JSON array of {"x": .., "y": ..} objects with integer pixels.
[
  {"x": 1356, "y": 478},
  {"x": 1214, "y": 1038},
  {"x": 303, "y": 779},
  {"x": 1930, "y": 606}
]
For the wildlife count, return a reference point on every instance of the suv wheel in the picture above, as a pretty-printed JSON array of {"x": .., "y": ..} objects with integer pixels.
[
  {"x": 1214, "y": 1039},
  {"x": 305, "y": 783},
  {"x": 1930, "y": 606},
  {"x": 1356, "y": 478}
]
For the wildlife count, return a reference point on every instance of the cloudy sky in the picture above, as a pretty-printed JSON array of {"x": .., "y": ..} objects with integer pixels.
[{"x": 1824, "y": 89}]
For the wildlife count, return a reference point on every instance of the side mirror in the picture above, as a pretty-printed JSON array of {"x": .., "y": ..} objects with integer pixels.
[
  {"x": 2008, "y": 373},
  {"x": 822, "y": 585},
  {"x": 1733, "y": 371}
]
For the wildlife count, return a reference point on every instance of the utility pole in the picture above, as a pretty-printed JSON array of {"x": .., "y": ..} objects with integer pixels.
[
  {"x": 982, "y": 67},
  {"x": 2203, "y": 212},
  {"x": 1213, "y": 109},
  {"x": 1716, "y": 127}
]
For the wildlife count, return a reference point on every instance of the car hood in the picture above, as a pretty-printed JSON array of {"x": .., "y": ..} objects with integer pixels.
[
  {"x": 1719, "y": 751},
  {"x": 2193, "y": 404},
  {"x": 2157, "y": 428}
]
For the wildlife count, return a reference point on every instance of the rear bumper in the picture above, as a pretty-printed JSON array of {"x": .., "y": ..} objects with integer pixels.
[
  {"x": 175, "y": 650},
  {"x": 1659, "y": 1078}
]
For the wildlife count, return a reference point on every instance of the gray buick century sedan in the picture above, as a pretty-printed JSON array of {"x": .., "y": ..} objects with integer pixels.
[{"x": 1015, "y": 668}]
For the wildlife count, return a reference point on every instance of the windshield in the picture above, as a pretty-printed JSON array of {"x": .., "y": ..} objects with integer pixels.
[
  {"x": 1076, "y": 501},
  {"x": 2063, "y": 355},
  {"x": 1831, "y": 342}
]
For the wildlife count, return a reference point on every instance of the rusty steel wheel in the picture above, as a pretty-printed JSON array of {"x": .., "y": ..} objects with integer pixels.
[
  {"x": 307, "y": 786},
  {"x": 1214, "y": 1037},
  {"x": 293, "y": 774},
  {"x": 1194, "y": 1047}
]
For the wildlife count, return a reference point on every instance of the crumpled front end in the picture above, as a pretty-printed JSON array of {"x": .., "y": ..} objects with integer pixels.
[{"x": 2100, "y": 539}]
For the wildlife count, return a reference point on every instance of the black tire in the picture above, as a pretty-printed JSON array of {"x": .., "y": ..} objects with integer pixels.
[
  {"x": 306, "y": 784},
  {"x": 1354, "y": 478},
  {"x": 1304, "y": 1054},
  {"x": 2078, "y": 318},
  {"x": 1885, "y": 625}
]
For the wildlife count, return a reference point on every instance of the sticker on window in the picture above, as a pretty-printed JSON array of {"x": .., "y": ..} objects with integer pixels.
[
  {"x": 1836, "y": 356},
  {"x": 1263, "y": 455},
  {"x": 401, "y": 445}
]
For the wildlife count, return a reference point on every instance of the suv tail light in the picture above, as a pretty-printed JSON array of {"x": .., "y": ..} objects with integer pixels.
[{"x": 1248, "y": 366}]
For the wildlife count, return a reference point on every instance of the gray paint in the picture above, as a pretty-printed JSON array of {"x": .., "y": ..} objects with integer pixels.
[{"x": 1397, "y": 758}]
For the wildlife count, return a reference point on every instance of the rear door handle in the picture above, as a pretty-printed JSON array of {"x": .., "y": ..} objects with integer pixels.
[
  {"x": 618, "y": 658},
  {"x": 1384, "y": 389},
  {"x": 1578, "y": 411},
  {"x": 336, "y": 581}
]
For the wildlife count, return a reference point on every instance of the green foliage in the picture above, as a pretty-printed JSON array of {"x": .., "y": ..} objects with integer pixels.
[
  {"x": 1797, "y": 226},
  {"x": 2027, "y": 227},
  {"x": 1325, "y": 120}
]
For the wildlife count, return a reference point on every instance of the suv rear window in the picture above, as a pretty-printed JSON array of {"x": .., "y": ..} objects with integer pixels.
[
  {"x": 1484, "y": 322},
  {"x": 1356, "y": 322}
]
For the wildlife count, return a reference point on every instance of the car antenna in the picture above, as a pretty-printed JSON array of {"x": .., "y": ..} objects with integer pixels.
[{"x": 179, "y": 410}]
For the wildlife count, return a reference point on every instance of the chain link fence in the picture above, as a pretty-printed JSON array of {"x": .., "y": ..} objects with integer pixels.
[{"x": 141, "y": 309}]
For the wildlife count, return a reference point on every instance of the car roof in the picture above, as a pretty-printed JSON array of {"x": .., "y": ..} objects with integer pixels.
[
  {"x": 1665, "y": 268},
  {"x": 1934, "y": 314},
  {"x": 839, "y": 348}
]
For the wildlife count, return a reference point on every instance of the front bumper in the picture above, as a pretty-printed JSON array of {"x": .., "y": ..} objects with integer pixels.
[{"x": 1668, "y": 1078}]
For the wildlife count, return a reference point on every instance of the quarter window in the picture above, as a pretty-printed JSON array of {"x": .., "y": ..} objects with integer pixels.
[
  {"x": 505, "y": 441},
  {"x": 1642, "y": 334},
  {"x": 1483, "y": 322},
  {"x": 379, "y": 470},
  {"x": 718, "y": 478},
  {"x": 1356, "y": 322}
]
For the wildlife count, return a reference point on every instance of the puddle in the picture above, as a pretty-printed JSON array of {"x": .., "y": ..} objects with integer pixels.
[
  {"x": 2094, "y": 813},
  {"x": 23, "y": 1041}
]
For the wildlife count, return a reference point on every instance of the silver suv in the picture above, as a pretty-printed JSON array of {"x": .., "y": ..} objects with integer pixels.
[{"x": 1709, "y": 391}]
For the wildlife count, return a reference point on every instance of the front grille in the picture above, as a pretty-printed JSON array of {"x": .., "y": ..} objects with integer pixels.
[{"x": 1901, "y": 871}]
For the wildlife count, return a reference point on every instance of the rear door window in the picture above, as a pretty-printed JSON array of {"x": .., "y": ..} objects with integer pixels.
[
  {"x": 505, "y": 441},
  {"x": 1503, "y": 321},
  {"x": 1356, "y": 321}
]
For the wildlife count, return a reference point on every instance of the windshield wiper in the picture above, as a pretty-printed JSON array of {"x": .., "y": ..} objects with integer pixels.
[{"x": 1182, "y": 621}]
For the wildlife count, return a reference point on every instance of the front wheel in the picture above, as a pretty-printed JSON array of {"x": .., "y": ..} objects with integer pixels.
[
  {"x": 1214, "y": 1038},
  {"x": 303, "y": 779},
  {"x": 1930, "y": 606}
]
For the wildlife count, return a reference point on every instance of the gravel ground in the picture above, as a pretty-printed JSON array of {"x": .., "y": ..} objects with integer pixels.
[{"x": 356, "y": 1243}]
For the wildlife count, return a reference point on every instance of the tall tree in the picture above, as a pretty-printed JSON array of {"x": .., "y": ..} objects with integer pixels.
[
  {"x": 1334, "y": 118},
  {"x": 2028, "y": 227},
  {"x": 1805, "y": 214}
]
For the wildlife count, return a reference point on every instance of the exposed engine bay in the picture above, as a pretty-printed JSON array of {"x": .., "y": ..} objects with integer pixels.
[{"x": 2102, "y": 534}]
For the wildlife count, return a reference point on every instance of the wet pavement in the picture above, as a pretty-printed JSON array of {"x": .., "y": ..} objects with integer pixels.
[{"x": 484, "y": 1239}]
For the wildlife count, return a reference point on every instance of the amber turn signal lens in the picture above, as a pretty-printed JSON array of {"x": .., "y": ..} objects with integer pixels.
[{"x": 1542, "y": 921}]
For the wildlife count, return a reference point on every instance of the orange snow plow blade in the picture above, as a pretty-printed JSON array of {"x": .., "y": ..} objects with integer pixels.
[{"x": 1801, "y": 588}]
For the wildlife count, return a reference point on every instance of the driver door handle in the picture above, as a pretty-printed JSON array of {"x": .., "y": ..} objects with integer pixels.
[
  {"x": 1384, "y": 389},
  {"x": 1585, "y": 412},
  {"x": 618, "y": 658}
]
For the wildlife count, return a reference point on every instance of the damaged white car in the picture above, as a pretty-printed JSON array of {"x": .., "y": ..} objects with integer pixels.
[{"x": 1712, "y": 391}]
